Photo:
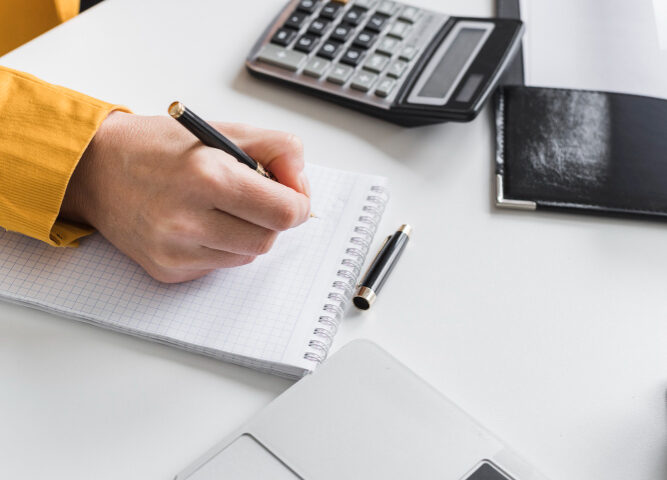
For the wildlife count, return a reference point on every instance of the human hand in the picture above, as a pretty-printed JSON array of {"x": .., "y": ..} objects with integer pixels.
[{"x": 181, "y": 209}]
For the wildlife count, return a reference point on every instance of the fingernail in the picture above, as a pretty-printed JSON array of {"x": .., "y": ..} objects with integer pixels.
[{"x": 305, "y": 184}]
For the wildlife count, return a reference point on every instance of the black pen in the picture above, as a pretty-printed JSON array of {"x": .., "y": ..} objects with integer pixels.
[
  {"x": 381, "y": 267},
  {"x": 210, "y": 137}
]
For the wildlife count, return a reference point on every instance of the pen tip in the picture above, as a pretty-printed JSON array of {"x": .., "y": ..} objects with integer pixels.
[{"x": 176, "y": 109}]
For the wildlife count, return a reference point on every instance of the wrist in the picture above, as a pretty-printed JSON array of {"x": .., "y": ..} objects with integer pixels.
[{"x": 79, "y": 203}]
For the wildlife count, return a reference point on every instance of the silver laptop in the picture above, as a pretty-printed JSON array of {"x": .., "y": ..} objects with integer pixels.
[{"x": 361, "y": 415}]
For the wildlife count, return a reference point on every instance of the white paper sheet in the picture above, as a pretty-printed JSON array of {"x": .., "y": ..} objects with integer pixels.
[{"x": 610, "y": 45}]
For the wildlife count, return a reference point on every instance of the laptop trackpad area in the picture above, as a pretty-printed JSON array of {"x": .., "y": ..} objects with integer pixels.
[{"x": 244, "y": 459}]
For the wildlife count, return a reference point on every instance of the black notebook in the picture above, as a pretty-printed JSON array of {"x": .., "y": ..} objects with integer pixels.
[{"x": 581, "y": 150}]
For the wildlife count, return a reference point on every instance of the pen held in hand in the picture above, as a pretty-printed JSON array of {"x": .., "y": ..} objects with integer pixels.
[{"x": 211, "y": 137}]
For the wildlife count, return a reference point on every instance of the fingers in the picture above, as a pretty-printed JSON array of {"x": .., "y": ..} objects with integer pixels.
[
  {"x": 233, "y": 188},
  {"x": 223, "y": 232},
  {"x": 279, "y": 152},
  {"x": 181, "y": 263}
]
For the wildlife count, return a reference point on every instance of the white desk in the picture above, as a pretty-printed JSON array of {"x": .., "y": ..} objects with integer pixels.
[{"x": 550, "y": 329}]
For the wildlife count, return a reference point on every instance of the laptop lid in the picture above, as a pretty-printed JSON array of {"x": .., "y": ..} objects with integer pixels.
[{"x": 362, "y": 414}]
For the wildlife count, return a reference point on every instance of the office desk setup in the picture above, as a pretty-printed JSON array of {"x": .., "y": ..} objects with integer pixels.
[{"x": 548, "y": 328}]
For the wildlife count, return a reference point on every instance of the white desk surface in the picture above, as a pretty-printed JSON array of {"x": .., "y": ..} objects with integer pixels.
[{"x": 551, "y": 329}]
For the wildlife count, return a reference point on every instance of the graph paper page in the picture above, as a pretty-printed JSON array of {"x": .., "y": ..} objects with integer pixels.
[{"x": 252, "y": 312}]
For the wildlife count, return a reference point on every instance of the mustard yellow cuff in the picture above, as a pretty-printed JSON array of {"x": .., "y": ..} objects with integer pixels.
[{"x": 45, "y": 130}]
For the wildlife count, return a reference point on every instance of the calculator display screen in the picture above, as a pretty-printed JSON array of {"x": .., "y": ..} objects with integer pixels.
[{"x": 452, "y": 62}]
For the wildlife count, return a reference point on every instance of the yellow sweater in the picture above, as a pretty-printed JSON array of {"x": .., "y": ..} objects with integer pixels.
[
  {"x": 44, "y": 130},
  {"x": 23, "y": 20}
]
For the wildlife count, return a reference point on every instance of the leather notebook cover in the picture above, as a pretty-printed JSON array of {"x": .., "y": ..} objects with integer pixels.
[{"x": 584, "y": 150}]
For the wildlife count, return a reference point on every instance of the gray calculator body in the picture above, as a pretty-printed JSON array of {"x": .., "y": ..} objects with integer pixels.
[{"x": 401, "y": 63}]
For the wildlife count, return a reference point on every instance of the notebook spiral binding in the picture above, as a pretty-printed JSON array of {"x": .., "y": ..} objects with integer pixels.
[{"x": 344, "y": 285}]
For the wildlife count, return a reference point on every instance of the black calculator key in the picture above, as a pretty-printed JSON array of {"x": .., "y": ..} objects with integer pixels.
[
  {"x": 331, "y": 9},
  {"x": 376, "y": 22},
  {"x": 283, "y": 36},
  {"x": 318, "y": 26},
  {"x": 307, "y": 6},
  {"x": 341, "y": 32},
  {"x": 296, "y": 20},
  {"x": 365, "y": 39},
  {"x": 353, "y": 16},
  {"x": 306, "y": 43},
  {"x": 352, "y": 56},
  {"x": 329, "y": 49}
]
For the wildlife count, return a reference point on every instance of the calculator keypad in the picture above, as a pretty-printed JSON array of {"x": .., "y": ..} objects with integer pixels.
[
  {"x": 342, "y": 32},
  {"x": 365, "y": 39},
  {"x": 376, "y": 62},
  {"x": 307, "y": 6},
  {"x": 281, "y": 57},
  {"x": 316, "y": 67},
  {"x": 377, "y": 22},
  {"x": 284, "y": 36},
  {"x": 296, "y": 20},
  {"x": 340, "y": 73},
  {"x": 363, "y": 81},
  {"x": 331, "y": 10},
  {"x": 306, "y": 43},
  {"x": 330, "y": 49},
  {"x": 361, "y": 46},
  {"x": 385, "y": 87},
  {"x": 354, "y": 16},
  {"x": 318, "y": 26},
  {"x": 352, "y": 56}
]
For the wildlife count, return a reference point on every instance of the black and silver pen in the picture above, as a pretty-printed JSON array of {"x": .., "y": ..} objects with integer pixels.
[
  {"x": 210, "y": 137},
  {"x": 381, "y": 267}
]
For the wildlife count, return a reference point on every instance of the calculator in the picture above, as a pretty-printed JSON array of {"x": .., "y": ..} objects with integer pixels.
[{"x": 405, "y": 64}]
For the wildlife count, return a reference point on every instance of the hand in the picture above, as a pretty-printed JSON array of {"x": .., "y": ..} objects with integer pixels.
[{"x": 181, "y": 209}]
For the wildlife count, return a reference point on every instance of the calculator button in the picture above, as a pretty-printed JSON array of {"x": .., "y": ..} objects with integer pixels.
[
  {"x": 352, "y": 56},
  {"x": 388, "y": 45},
  {"x": 399, "y": 29},
  {"x": 408, "y": 53},
  {"x": 353, "y": 16},
  {"x": 365, "y": 39},
  {"x": 296, "y": 20},
  {"x": 331, "y": 9},
  {"x": 409, "y": 14},
  {"x": 318, "y": 26},
  {"x": 341, "y": 32},
  {"x": 306, "y": 43},
  {"x": 387, "y": 8},
  {"x": 397, "y": 68},
  {"x": 376, "y": 62},
  {"x": 307, "y": 6},
  {"x": 363, "y": 81},
  {"x": 365, "y": 4},
  {"x": 280, "y": 57},
  {"x": 339, "y": 74},
  {"x": 376, "y": 23},
  {"x": 283, "y": 36},
  {"x": 385, "y": 87},
  {"x": 329, "y": 49},
  {"x": 316, "y": 67}
]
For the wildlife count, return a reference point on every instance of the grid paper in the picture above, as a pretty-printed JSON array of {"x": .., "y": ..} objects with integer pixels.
[{"x": 245, "y": 315}]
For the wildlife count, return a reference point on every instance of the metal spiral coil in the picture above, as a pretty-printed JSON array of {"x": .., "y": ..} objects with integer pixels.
[
  {"x": 344, "y": 286},
  {"x": 330, "y": 322}
]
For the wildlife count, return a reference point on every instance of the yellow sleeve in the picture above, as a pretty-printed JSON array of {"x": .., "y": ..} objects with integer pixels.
[
  {"x": 44, "y": 130},
  {"x": 23, "y": 20}
]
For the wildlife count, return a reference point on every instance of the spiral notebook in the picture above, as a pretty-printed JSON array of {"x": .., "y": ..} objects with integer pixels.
[{"x": 278, "y": 314}]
